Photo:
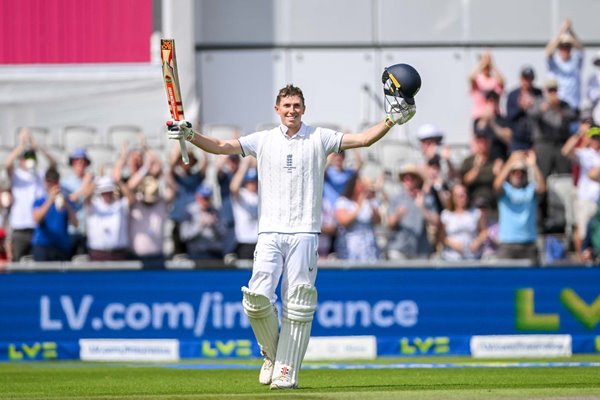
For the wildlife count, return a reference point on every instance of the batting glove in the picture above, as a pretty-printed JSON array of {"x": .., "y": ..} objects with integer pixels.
[
  {"x": 400, "y": 114},
  {"x": 180, "y": 130}
]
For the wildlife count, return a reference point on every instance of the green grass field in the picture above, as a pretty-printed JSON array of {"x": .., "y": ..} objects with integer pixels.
[{"x": 86, "y": 380}]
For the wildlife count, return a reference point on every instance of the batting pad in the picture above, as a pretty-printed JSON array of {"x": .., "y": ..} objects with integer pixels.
[
  {"x": 263, "y": 319},
  {"x": 298, "y": 311}
]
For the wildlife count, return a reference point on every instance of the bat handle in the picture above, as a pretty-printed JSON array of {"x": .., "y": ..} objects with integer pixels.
[{"x": 184, "y": 153}]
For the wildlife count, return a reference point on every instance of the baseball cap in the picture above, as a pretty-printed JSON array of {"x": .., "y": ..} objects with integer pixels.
[
  {"x": 528, "y": 72},
  {"x": 29, "y": 154},
  {"x": 594, "y": 132},
  {"x": 429, "y": 131},
  {"x": 105, "y": 184},
  {"x": 480, "y": 132},
  {"x": 519, "y": 166},
  {"x": 566, "y": 39},
  {"x": 551, "y": 83},
  {"x": 77, "y": 154},
  {"x": 204, "y": 191},
  {"x": 435, "y": 160}
]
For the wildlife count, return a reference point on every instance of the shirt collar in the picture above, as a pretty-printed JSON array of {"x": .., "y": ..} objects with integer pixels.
[{"x": 302, "y": 132}]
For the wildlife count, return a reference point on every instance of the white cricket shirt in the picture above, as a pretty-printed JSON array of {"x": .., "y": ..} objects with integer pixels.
[{"x": 290, "y": 176}]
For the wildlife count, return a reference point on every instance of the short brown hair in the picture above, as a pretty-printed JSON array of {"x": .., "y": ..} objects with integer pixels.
[{"x": 288, "y": 91}]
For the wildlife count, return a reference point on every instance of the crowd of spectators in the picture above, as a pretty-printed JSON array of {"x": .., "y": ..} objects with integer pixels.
[{"x": 496, "y": 203}]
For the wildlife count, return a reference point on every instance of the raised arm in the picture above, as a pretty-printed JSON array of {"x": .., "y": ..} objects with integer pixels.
[
  {"x": 183, "y": 129},
  {"x": 377, "y": 131},
  {"x": 238, "y": 177}
]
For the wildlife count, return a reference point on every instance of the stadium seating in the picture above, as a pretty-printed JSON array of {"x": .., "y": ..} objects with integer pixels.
[
  {"x": 222, "y": 131},
  {"x": 119, "y": 134},
  {"x": 76, "y": 136},
  {"x": 103, "y": 156}
]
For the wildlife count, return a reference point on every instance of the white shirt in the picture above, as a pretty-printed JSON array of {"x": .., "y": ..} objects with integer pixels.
[
  {"x": 290, "y": 176},
  {"x": 26, "y": 187},
  {"x": 245, "y": 215},
  {"x": 587, "y": 189},
  {"x": 147, "y": 228},
  {"x": 108, "y": 224}
]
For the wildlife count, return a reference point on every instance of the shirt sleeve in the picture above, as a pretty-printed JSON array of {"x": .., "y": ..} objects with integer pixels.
[
  {"x": 332, "y": 140},
  {"x": 250, "y": 142},
  {"x": 38, "y": 202}
]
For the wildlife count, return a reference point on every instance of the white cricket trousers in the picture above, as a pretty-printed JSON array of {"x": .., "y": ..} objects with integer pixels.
[{"x": 289, "y": 256}]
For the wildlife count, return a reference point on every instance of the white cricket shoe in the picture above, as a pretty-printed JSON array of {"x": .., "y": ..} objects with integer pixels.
[
  {"x": 266, "y": 371},
  {"x": 283, "y": 382}
]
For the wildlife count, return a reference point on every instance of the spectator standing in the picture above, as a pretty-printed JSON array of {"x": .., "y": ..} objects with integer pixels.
[
  {"x": 357, "y": 214},
  {"x": 490, "y": 224},
  {"x": 553, "y": 118},
  {"x": 435, "y": 185},
  {"x": 484, "y": 77},
  {"x": 593, "y": 89},
  {"x": 107, "y": 216},
  {"x": 27, "y": 184},
  {"x": 73, "y": 185},
  {"x": 5, "y": 204},
  {"x": 244, "y": 202},
  {"x": 147, "y": 219},
  {"x": 565, "y": 64},
  {"x": 337, "y": 174},
  {"x": 410, "y": 213},
  {"x": 520, "y": 100},
  {"x": 590, "y": 248},
  {"x": 517, "y": 206},
  {"x": 201, "y": 229},
  {"x": 183, "y": 180},
  {"x": 227, "y": 166},
  {"x": 431, "y": 140},
  {"x": 53, "y": 213},
  {"x": 462, "y": 233},
  {"x": 328, "y": 229},
  {"x": 588, "y": 190},
  {"x": 479, "y": 169},
  {"x": 494, "y": 126}
]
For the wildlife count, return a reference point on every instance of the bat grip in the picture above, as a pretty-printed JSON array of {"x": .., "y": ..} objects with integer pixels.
[{"x": 184, "y": 153}]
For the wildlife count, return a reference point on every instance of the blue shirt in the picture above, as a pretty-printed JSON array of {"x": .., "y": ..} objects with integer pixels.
[
  {"x": 568, "y": 75},
  {"x": 517, "y": 208},
  {"x": 185, "y": 194},
  {"x": 53, "y": 230},
  {"x": 335, "y": 182}
]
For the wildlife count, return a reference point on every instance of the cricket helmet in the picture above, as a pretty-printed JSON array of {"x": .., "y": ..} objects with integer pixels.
[{"x": 400, "y": 81}]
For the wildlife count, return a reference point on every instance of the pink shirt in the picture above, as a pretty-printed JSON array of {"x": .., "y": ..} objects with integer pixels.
[{"x": 483, "y": 84}]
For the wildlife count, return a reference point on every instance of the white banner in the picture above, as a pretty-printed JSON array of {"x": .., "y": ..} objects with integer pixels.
[
  {"x": 129, "y": 350},
  {"x": 342, "y": 348},
  {"x": 505, "y": 346}
]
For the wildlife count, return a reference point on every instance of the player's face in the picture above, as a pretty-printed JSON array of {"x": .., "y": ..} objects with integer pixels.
[{"x": 290, "y": 110}]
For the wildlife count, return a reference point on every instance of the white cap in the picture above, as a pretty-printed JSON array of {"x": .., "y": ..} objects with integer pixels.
[
  {"x": 429, "y": 131},
  {"x": 105, "y": 184}
]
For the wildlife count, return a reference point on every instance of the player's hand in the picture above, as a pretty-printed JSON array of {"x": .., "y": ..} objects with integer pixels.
[
  {"x": 403, "y": 113},
  {"x": 180, "y": 130}
]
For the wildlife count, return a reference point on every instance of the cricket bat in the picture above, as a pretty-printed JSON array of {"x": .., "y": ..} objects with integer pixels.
[{"x": 171, "y": 79}]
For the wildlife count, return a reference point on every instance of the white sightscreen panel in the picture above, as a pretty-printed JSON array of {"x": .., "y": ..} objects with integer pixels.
[
  {"x": 420, "y": 21},
  {"x": 444, "y": 96},
  {"x": 333, "y": 84},
  {"x": 237, "y": 86},
  {"x": 234, "y": 21},
  {"x": 584, "y": 15},
  {"x": 509, "y": 21},
  {"x": 332, "y": 21}
]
